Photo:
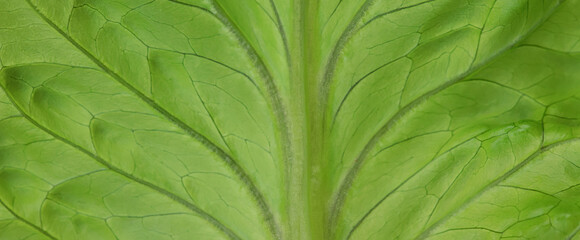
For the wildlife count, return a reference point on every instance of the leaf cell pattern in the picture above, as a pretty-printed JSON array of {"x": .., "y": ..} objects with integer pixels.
[{"x": 273, "y": 119}]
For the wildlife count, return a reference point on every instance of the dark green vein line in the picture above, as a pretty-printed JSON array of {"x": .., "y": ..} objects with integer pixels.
[
  {"x": 394, "y": 11},
  {"x": 518, "y": 91},
  {"x": 119, "y": 171},
  {"x": 221, "y": 64},
  {"x": 191, "y": 5},
  {"x": 470, "y": 228},
  {"x": 37, "y": 228},
  {"x": 350, "y": 90},
  {"x": 267, "y": 13},
  {"x": 338, "y": 200},
  {"x": 572, "y": 54},
  {"x": 568, "y": 188},
  {"x": 527, "y": 189},
  {"x": 412, "y": 138},
  {"x": 574, "y": 233},
  {"x": 493, "y": 184},
  {"x": 246, "y": 76},
  {"x": 481, "y": 32},
  {"x": 282, "y": 33},
  {"x": 258, "y": 197},
  {"x": 209, "y": 113},
  {"x": 331, "y": 14}
]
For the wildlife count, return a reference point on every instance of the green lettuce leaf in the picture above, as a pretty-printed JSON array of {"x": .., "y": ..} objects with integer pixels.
[{"x": 277, "y": 119}]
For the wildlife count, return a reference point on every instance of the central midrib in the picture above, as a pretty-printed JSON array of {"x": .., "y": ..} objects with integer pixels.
[
  {"x": 315, "y": 69},
  {"x": 305, "y": 208},
  {"x": 314, "y": 111}
]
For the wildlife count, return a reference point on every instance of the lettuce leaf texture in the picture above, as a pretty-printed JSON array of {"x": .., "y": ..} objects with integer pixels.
[{"x": 289, "y": 119}]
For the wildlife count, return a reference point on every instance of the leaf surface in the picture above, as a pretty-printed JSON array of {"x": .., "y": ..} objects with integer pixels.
[{"x": 271, "y": 119}]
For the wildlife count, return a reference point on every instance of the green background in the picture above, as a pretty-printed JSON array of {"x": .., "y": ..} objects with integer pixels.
[{"x": 289, "y": 119}]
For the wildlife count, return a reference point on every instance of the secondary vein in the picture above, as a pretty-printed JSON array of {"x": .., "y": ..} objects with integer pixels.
[{"x": 37, "y": 228}]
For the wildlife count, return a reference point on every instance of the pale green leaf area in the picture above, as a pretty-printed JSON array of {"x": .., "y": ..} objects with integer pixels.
[{"x": 289, "y": 119}]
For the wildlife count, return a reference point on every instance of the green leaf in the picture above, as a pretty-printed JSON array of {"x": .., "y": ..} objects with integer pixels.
[{"x": 274, "y": 119}]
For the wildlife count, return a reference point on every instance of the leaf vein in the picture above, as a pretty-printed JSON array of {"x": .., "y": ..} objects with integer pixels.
[{"x": 19, "y": 218}]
